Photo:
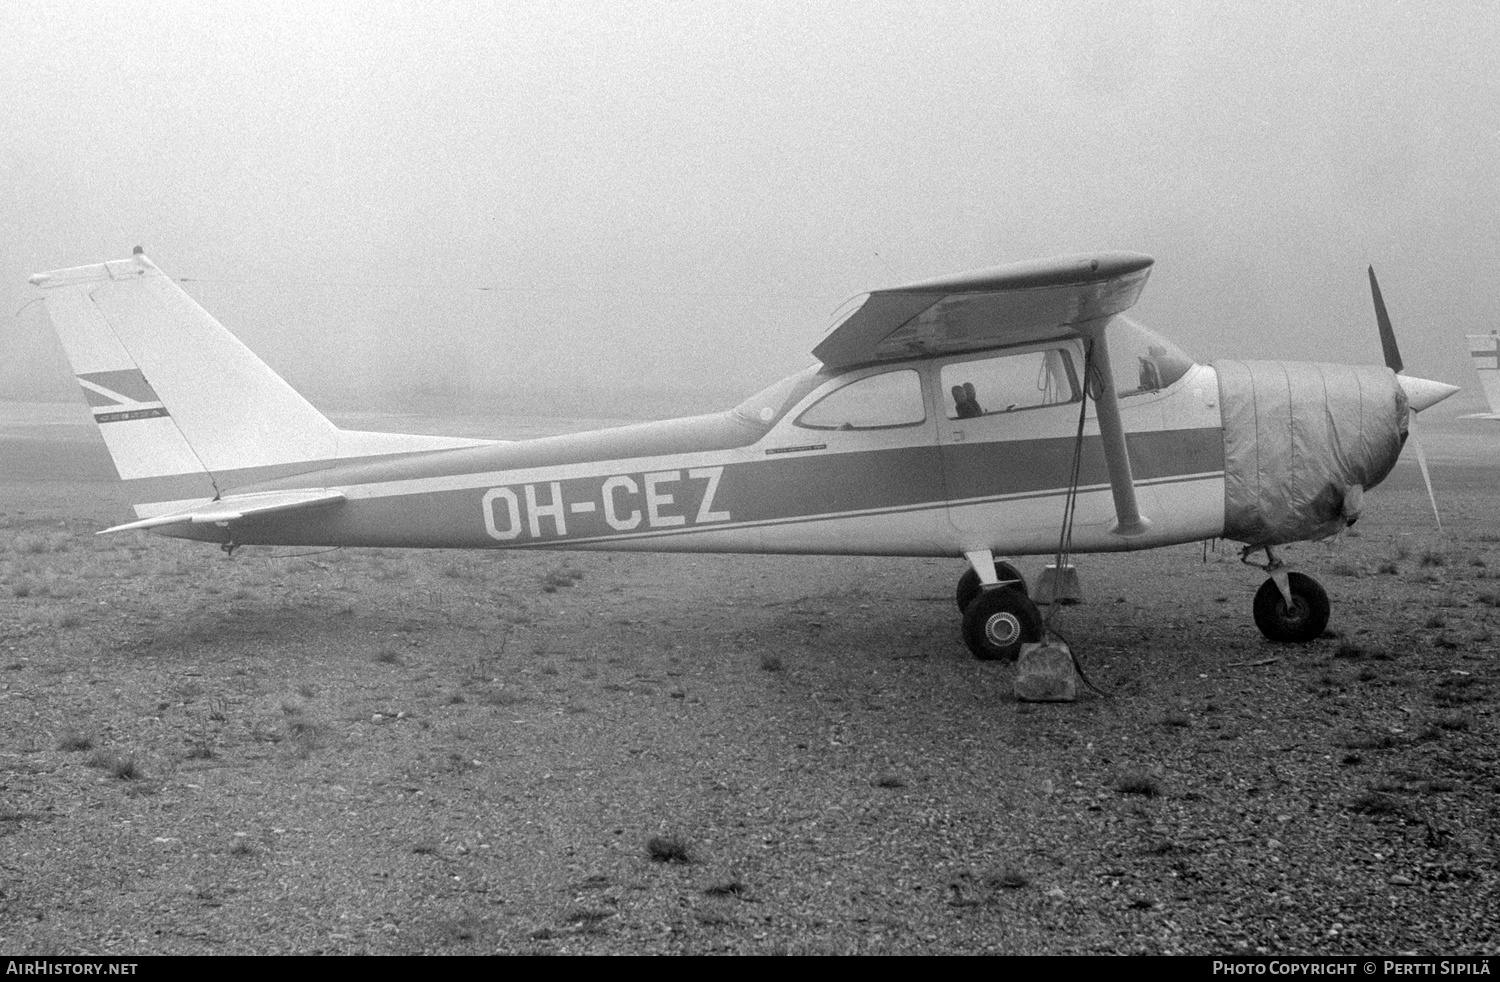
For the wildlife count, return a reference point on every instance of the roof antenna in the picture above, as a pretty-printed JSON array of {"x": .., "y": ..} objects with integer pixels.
[{"x": 137, "y": 251}]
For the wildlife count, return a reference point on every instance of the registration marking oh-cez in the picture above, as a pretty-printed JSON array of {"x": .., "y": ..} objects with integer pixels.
[{"x": 624, "y": 502}]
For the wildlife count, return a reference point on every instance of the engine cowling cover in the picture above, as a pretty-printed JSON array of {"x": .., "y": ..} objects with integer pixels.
[{"x": 1297, "y": 437}]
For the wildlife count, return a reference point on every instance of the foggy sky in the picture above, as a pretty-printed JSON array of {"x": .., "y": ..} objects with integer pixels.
[{"x": 600, "y": 198}]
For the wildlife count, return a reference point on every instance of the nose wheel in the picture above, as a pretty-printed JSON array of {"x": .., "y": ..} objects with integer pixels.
[
  {"x": 1302, "y": 619},
  {"x": 1290, "y": 608}
]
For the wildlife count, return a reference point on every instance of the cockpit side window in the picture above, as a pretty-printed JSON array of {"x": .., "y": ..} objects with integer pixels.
[
  {"x": 1008, "y": 383},
  {"x": 874, "y": 402}
]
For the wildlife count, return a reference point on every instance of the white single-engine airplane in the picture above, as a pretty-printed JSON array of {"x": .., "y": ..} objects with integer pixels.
[
  {"x": 1485, "y": 350},
  {"x": 965, "y": 416}
]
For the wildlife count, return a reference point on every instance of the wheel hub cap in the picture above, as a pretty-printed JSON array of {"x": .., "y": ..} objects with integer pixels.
[
  {"x": 1296, "y": 614},
  {"x": 1002, "y": 629}
]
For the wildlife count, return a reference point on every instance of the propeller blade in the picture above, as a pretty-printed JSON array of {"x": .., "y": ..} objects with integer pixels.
[
  {"x": 1411, "y": 429},
  {"x": 1383, "y": 321},
  {"x": 1420, "y": 393}
]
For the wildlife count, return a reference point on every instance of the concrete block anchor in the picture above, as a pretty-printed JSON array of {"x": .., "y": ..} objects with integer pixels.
[
  {"x": 1058, "y": 586},
  {"x": 1044, "y": 673}
]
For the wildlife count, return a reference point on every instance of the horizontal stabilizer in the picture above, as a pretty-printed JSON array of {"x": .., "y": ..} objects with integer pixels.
[{"x": 238, "y": 507}]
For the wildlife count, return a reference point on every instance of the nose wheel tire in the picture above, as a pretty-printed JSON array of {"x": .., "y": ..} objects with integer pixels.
[
  {"x": 1306, "y": 618},
  {"x": 969, "y": 586},
  {"x": 998, "y": 622}
]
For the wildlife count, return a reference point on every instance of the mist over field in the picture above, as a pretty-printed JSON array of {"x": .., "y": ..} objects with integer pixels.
[{"x": 648, "y": 208}]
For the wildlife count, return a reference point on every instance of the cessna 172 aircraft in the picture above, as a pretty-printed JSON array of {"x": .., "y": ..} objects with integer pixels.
[{"x": 975, "y": 415}]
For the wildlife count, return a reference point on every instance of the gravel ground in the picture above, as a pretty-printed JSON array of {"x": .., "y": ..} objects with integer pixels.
[{"x": 397, "y": 752}]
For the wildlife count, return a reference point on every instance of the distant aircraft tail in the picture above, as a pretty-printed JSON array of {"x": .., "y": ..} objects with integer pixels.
[
  {"x": 1485, "y": 350},
  {"x": 187, "y": 411}
]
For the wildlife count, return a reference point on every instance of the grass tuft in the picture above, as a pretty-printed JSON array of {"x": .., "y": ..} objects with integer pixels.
[
  {"x": 121, "y": 766},
  {"x": 1139, "y": 782},
  {"x": 75, "y": 740},
  {"x": 1377, "y": 803},
  {"x": 729, "y": 888},
  {"x": 669, "y": 849},
  {"x": 201, "y": 750},
  {"x": 1368, "y": 741},
  {"x": 560, "y": 578},
  {"x": 1008, "y": 878},
  {"x": 1350, "y": 650},
  {"x": 587, "y": 920},
  {"x": 770, "y": 663},
  {"x": 1458, "y": 690}
]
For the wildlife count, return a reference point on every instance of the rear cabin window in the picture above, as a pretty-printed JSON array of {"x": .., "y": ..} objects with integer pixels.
[
  {"x": 1008, "y": 383},
  {"x": 874, "y": 402}
]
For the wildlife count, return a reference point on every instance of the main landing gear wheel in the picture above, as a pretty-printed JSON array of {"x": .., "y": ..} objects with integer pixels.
[
  {"x": 999, "y": 621},
  {"x": 1303, "y": 621},
  {"x": 968, "y": 584}
]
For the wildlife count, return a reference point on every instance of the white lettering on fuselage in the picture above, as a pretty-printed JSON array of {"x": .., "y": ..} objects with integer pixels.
[
  {"x": 655, "y": 500},
  {"x": 512, "y": 528}
]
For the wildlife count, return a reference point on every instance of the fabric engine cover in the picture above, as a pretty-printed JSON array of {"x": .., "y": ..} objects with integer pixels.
[{"x": 1297, "y": 436}]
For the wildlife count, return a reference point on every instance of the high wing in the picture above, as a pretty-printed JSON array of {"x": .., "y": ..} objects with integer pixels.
[
  {"x": 989, "y": 308},
  {"x": 239, "y": 507},
  {"x": 1064, "y": 297}
]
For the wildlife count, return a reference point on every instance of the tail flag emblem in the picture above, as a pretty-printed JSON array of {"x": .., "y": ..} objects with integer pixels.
[{"x": 118, "y": 396}]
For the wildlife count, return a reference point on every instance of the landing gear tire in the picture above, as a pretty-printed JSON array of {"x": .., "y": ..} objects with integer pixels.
[
  {"x": 998, "y": 622},
  {"x": 969, "y": 586},
  {"x": 1303, "y": 621}
]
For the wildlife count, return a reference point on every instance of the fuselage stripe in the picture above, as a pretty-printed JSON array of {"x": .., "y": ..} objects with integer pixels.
[{"x": 837, "y": 516}]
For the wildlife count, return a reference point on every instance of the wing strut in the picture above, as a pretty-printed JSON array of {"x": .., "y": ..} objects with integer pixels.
[{"x": 1129, "y": 520}]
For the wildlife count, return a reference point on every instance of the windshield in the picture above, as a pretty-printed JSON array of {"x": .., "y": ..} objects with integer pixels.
[
  {"x": 768, "y": 405},
  {"x": 1142, "y": 360}
]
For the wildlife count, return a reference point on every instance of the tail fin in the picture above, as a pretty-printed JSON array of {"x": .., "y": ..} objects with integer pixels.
[
  {"x": 1485, "y": 350},
  {"x": 186, "y": 410}
]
